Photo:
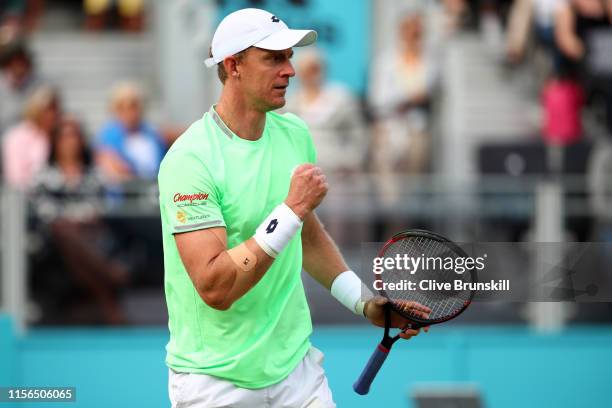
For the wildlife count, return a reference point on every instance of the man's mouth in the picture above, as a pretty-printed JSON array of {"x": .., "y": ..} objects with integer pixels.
[{"x": 282, "y": 87}]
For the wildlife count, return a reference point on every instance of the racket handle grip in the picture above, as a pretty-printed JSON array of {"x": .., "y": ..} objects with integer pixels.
[{"x": 362, "y": 385}]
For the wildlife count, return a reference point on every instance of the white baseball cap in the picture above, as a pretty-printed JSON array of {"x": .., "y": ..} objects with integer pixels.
[{"x": 251, "y": 27}]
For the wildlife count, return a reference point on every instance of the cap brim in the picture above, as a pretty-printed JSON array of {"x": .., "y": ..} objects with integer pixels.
[{"x": 283, "y": 39}]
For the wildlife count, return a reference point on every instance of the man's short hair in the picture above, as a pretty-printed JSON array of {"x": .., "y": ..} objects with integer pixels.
[{"x": 221, "y": 73}]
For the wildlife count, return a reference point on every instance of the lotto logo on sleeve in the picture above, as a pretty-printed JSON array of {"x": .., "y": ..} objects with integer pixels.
[
  {"x": 193, "y": 199},
  {"x": 181, "y": 217}
]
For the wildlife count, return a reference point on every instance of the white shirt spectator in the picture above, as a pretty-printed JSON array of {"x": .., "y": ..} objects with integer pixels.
[{"x": 337, "y": 127}]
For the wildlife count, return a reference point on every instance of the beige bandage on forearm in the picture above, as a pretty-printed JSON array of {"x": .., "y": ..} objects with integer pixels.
[{"x": 243, "y": 257}]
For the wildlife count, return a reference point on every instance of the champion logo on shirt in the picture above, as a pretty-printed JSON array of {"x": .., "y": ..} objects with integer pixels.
[{"x": 188, "y": 199}]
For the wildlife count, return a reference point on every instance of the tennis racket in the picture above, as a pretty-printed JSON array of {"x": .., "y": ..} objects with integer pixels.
[{"x": 442, "y": 298}]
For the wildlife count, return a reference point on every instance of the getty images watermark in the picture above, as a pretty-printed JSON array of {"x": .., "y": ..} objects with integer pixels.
[
  {"x": 513, "y": 272},
  {"x": 407, "y": 265}
]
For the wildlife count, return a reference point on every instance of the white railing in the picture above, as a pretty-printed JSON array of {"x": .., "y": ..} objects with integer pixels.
[{"x": 14, "y": 268}]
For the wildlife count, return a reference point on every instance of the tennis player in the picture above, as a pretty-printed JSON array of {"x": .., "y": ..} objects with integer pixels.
[{"x": 237, "y": 194}]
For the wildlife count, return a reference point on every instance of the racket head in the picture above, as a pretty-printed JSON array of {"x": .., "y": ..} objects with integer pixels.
[{"x": 444, "y": 304}]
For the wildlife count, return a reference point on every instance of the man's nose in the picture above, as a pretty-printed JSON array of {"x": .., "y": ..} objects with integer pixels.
[{"x": 288, "y": 70}]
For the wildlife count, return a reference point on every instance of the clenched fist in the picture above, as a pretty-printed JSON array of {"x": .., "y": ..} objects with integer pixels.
[{"x": 307, "y": 189}]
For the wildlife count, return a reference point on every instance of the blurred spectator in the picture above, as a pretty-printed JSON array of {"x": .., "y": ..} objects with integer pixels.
[
  {"x": 128, "y": 147},
  {"x": 443, "y": 20},
  {"x": 66, "y": 197},
  {"x": 562, "y": 100},
  {"x": 400, "y": 91},
  {"x": 131, "y": 14},
  {"x": 11, "y": 12},
  {"x": 338, "y": 130},
  {"x": 576, "y": 26},
  {"x": 20, "y": 15},
  {"x": 537, "y": 14},
  {"x": 454, "y": 15},
  {"x": 479, "y": 11},
  {"x": 576, "y": 20},
  {"x": 491, "y": 19},
  {"x": 25, "y": 148},
  {"x": 333, "y": 115},
  {"x": 18, "y": 81}
]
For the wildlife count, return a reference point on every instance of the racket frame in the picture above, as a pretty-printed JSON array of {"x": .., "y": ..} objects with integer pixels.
[{"x": 419, "y": 233}]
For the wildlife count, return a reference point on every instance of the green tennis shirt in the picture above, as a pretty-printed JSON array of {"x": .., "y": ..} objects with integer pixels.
[{"x": 212, "y": 178}]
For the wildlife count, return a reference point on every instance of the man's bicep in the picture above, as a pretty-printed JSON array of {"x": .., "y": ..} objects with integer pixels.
[{"x": 198, "y": 248}]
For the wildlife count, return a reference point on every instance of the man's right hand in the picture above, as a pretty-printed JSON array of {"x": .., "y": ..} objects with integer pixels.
[{"x": 307, "y": 189}]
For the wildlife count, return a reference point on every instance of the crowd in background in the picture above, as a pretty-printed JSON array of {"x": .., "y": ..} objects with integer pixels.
[
  {"x": 70, "y": 174},
  {"x": 67, "y": 174},
  {"x": 126, "y": 147},
  {"x": 575, "y": 39},
  {"x": 567, "y": 44}
]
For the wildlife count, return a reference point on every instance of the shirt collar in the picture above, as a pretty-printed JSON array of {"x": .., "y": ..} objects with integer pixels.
[{"x": 215, "y": 116}]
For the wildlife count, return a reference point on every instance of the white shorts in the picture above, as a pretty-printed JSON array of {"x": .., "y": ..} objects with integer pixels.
[{"x": 305, "y": 387}]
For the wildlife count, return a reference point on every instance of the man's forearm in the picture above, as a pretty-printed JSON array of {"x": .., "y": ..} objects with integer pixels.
[
  {"x": 231, "y": 273},
  {"x": 323, "y": 261},
  {"x": 322, "y": 258},
  {"x": 222, "y": 281}
]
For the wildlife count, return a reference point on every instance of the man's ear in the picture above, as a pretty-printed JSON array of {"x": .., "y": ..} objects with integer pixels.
[{"x": 231, "y": 67}]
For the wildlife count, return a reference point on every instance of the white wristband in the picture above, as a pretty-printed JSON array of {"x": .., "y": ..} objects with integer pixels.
[
  {"x": 275, "y": 232},
  {"x": 351, "y": 292}
]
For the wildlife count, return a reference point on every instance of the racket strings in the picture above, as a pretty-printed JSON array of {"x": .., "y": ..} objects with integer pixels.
[{"x": 442, "y": 302}]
